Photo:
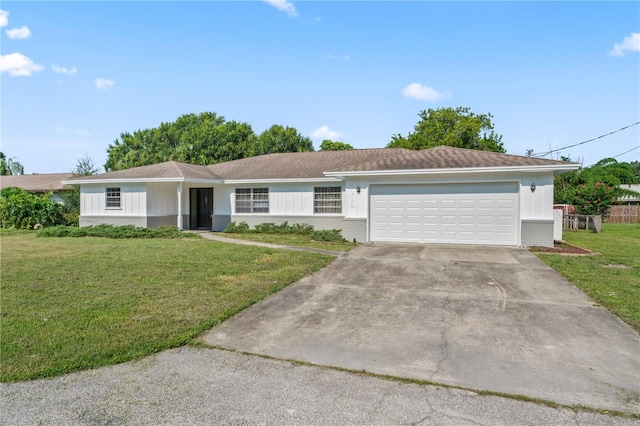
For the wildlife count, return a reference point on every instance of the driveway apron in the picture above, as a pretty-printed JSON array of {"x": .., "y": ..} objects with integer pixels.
[{"x": 483, "y": 318}]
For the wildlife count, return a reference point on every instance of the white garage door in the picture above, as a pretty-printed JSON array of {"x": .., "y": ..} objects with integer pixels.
[{"x": 475, "y": 213}]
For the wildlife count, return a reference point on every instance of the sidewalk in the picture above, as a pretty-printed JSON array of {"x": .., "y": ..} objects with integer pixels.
[{"x": 211, "y": 236}]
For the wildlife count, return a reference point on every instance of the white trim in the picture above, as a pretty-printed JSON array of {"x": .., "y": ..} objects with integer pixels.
[
  {"x": 140, "y": 180},
  {"x": 288, "y": 180},
  {"x": 542, "y": 168}
]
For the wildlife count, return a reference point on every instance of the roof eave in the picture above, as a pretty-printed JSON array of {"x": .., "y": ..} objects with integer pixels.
[
  {"x": 556, "y": 168},
  {"x": 140, "y": 180},
  {"x": 281, "y": 180}
]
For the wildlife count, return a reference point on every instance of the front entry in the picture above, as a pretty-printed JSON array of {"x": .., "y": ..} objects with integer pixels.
[{"x": 201, "y": 208}]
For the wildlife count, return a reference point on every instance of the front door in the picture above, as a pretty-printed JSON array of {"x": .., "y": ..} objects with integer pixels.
[{"x": 201, "y": 207}]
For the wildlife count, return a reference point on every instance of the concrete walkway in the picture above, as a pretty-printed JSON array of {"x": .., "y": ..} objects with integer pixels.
[{"x": 211, "y": 236}]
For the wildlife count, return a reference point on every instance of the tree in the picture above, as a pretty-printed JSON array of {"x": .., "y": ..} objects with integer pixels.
[
  {"x": 329, "y": 145},
  {"x": 593, "y": 189},
  {"x": 9, "y": 166},
  {"x": 282, "y": 139},
  {"x": 85, "y": 166},
  {"x": 457, "y": 127},
  {"x": 23, "y": 209},
  {"x": 204, "y": 138},
  {"x": 635, "y": 166}
]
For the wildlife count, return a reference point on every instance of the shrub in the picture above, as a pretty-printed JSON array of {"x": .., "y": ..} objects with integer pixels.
[
  {"x": 332, "y": 235},
  {"x": 110, "y": 231},
  {"x": 594, "y": 198},
  {"x": 22, "y": 209},
  {"x": 239, "y": 228},
  {"x": 329, "y": 235}
]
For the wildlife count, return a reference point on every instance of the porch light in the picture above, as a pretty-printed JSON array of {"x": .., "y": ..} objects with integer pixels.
[
  {"x": 358, "y": 189},
  {"x": 533, "y": 187}
]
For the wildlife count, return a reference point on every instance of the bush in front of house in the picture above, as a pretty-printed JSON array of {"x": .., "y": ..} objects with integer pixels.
[
  {"x": 116, "y": 232},
  {"x": 332, "y": 235},
  {"x": 22, "y": 209}
]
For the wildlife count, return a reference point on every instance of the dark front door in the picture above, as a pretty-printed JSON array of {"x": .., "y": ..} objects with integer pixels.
[{"x": 203, "y": 209}]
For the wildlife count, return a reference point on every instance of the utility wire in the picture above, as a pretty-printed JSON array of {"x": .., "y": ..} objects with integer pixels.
[
  {"x": 632, "y": 149},
  {"x": 616, "y": 156},
  {"x": 540, "y": 154}
]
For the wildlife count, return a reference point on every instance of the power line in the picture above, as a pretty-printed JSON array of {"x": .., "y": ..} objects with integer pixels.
[
  {"x": 632, "y": 149},
  {"x": 583, "y": 142},
  {"x": 616, "y": 156}
]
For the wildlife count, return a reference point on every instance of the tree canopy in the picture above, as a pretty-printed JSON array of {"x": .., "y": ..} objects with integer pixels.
[
  {"x": 457, "y": 127},
  {"x": 9, "y": 166},
  {"x": 204, "y": 138},
  {"x": 281, "y": 139},
  {"x": 593, "y": 189},
  {"x": 329, "y": 145}
]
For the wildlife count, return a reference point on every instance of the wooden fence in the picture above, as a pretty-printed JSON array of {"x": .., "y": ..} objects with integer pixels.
[
  {"x": 580, "y": 221},
  {"x": 624, "y": 214}
]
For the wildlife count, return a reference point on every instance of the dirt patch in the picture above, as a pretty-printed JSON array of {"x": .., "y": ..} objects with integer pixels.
[
  {"x": 562, "y": 248},
  {"x": 616, "y": 266}
]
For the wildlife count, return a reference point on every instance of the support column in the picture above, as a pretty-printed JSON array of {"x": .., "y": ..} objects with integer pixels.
[{"x": 180, "y": 205}]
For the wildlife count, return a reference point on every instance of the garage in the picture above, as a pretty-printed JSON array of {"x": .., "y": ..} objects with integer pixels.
[{"x": 460, "y": 213}]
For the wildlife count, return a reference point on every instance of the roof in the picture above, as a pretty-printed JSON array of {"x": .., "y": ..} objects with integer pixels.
[
  {"x": 320, "y": 164},
  {"x": 446, "y": 157},
  {"x": 166, "y": 170},
  {"x": 300, "y": 165},
  {"x": 36, "y": 183}
]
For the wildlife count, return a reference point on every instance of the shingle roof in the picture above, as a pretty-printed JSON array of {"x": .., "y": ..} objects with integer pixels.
[
  {"x": 299, "y": 165},
  {"x": 446, "y": 157},
  {"x": 36, "y": 183},
  {"x": 169, "y": 169},
  {"x": 314, "y": 164}
]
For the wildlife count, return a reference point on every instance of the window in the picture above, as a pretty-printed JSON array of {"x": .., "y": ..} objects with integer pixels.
[
  {"x": 252, "y": 200},
  {"x": 113, "y": 198},
  {"x": 327, "y": 199}
]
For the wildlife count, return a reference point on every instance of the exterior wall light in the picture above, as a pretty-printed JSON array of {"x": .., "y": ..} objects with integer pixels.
[
  {"x": 533, "y": 187},
  {"x": 358, "y": 189}
]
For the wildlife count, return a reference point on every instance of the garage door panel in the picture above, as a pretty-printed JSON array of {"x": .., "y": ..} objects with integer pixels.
[{"x": 449, "y": 213}]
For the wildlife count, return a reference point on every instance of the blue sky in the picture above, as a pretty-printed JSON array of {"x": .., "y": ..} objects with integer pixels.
[{"x": 77, "y": 74}]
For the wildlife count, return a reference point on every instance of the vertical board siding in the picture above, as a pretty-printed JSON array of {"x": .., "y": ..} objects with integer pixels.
[
  {"x": 162, "y": 199},
  {"x": 133, "y": 201}
]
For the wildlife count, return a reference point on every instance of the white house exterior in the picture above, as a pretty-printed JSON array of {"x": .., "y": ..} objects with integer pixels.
[{"x": 440, "y": 195}]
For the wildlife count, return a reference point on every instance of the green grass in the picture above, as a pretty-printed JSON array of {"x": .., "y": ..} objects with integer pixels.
[
  {"x": 611, "y": 278},
  {"x": 76, "y": 303},
  {"x": 299, "y": 240}
]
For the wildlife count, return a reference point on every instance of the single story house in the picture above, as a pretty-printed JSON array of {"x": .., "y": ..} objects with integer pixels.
[
  {"x": 438, "y": 195},
  {"x": 38, "y": 183}
]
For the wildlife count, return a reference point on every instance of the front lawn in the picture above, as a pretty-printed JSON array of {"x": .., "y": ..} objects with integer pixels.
[
  {"x": 76, "y": 303},
  {"x": 298, "y": 240},
  {"x": 611, "y": 278}
]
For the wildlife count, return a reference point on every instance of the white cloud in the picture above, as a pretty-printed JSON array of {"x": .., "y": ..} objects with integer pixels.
[
  {"x": 423, "y": 93},
  {"x": 4, "y": 18},
  {"x": 284, "y": 6},
  {"x": 323, "y": 132},
  {"x": 343, "y": 57},
  {"x": 78, "y": 132},
  {"x": 103, "y": 83},
  {"x": 63, "y": 70},
  {"x": 16, "y": 64},
  {"x": 629, "y": 44},
  {"x": 19, "y": 33}
]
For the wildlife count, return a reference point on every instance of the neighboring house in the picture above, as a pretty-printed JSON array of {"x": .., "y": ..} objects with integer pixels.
[
  {"x": 38, "y": 183},
  {"x": 630, "y": 200},
  {"x": 438, "y": 195}
]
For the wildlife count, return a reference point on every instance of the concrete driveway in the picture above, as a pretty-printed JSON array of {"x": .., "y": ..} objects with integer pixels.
[{"x": 483, "y": 318}]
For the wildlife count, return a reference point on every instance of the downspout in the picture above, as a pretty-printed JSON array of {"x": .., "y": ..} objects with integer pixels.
[{"x": 180, "y": 205}]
